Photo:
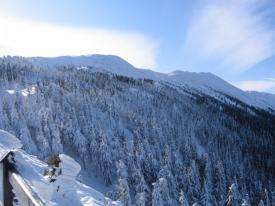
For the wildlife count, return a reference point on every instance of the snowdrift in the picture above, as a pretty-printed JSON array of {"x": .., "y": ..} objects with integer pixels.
[{"x": 66, "y": 190}]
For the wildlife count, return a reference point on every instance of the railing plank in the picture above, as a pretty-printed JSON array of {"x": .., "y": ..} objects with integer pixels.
[
  {"x": 13, "y": 183},
  {"x": 23, "y": 191}
]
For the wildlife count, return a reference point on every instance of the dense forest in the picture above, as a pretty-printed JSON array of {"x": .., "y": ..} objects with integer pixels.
[{"x": 154, "y": 142}]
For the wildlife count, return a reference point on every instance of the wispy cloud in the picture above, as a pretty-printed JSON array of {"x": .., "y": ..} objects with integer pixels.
[
  {"x": 234, "y": 33},
  {"x": 30, "y": 38},
  {"x": 261, "y": 85}
]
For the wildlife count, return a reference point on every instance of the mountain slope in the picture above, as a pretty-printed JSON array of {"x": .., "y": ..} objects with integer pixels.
[
  {"x": 151, "y": 142},
  {"x": 204, "y": 82}
]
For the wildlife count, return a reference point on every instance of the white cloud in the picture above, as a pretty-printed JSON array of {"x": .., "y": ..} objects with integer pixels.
[
  {"x": 30, "y": 38},
  {"x": 260, "y": 86},
  {"x": 232, "y": 32}
]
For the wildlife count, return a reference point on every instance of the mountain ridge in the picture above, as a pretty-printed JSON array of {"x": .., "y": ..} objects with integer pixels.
[{"x": 203, "y": 81}]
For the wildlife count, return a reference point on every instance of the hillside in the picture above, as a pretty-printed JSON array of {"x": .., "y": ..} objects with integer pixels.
[
  {"x": 204, "y": 82},
  {"x": 153, "y": 139}
]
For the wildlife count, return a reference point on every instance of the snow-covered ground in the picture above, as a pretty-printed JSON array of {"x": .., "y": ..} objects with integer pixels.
[{"x": 66, "y": 190}]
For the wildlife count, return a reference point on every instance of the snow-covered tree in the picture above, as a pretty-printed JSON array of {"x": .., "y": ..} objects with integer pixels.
[
  {"x": 140, "y": 199},
  {"x": 266, "y": 198},
  {"x": 233, "y": 198},
  {"x": 246, "y": 201},
  {"x": 182, "y": 199},
  {"x": 193, "y": 184},
  {"x": 123, "y": 192},
  {"x": 205, "y": 196},
  {"x": 261, "y": 203},
  {"x": 219, "y": 183},
  {"x": 160, "y": 194}
]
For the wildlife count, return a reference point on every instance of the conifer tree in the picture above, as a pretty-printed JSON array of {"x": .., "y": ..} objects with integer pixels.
[
  {"x": 182, "y": 199},
  {"x": 160, "y": 194},
  {"x": 246, "y": 201},
  {"x": 233, "y": 198}
]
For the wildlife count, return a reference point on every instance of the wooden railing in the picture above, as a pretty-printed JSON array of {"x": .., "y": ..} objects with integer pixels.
[{"x": 14, "y": 187}]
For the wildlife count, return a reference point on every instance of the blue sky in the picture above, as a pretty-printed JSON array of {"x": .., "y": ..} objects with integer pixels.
[{"x": 233, "y": 39}]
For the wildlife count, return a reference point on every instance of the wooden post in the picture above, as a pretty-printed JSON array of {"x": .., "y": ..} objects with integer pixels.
[{"x": 7, "y": 188}]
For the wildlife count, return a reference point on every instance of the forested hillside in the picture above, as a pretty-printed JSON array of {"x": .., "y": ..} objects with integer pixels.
[{"x": 156, "y": 143}]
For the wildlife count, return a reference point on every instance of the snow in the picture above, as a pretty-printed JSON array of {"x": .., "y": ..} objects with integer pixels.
[
  {"x": 101, "y": 119},
  {"x": 24, "y": 92},
  {"x": 82, "y": 68},
  {"x": 66, "y": 190},
  {"x": 109, "y": 62},
  {"x": 216, "y": 87},
  {"x": 28, "y": 91},
  {"x": 10, "y": 91},
  {"x": 203, "y": 82},
  {"x": 8, "y": 141},
  {"x": 69, "y": 165}
]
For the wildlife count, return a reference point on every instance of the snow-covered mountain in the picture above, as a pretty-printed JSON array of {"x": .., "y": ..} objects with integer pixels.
[
  {"x": 142, "y": 137},
  {"x": 203, "y": 82},
  {"x": 110, "y": 63}
]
